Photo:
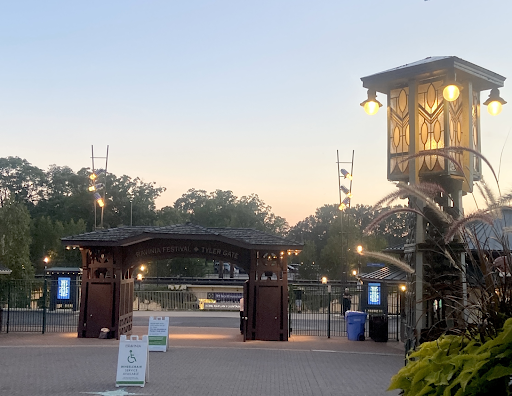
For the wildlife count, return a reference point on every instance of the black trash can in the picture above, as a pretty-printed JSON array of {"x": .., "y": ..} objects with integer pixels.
[{"x": 378, "y": 328}]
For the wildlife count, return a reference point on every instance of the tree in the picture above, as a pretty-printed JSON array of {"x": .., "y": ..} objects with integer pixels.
[
  {"x": 223, "y": 209},
  {"x": 15, "y": 239},
  {"x": 66, "y": 196},
  {"x": 20, "y": 181},
  {"x": 169, "y": 215},
  {"x": 307, "y": 268},
  {"x": 129, "y": 198},
  {"x": 46, "y": 235},
  {"x": 179, "y": 266}
]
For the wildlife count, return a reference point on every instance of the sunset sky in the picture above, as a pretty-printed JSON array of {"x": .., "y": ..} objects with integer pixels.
[{"x": 253, "y": 97}]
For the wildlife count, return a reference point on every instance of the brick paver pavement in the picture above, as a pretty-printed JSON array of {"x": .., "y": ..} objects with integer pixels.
[{"x": 200, "y": 362}]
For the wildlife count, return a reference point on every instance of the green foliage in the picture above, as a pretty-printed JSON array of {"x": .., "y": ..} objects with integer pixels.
[
  {"x": 324, "y": 231},
  {"x": 20, "y": 181},
  {"x": 179, "y": 266},
  {"x": 455, "y": 365},
  {"x": 307, "y": 268},
  {"x": 15, "y": 240},
  {"x": 223, "y": 209},
  {"x": 46, "y": 236}
]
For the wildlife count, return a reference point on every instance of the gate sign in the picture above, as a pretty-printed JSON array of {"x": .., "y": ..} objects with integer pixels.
[
  {"x": 374, "y": 294},
  {"x": 158, "y": 334},
  {"x": 132, "y": 361},
  {"x": 64, "y": 288}
]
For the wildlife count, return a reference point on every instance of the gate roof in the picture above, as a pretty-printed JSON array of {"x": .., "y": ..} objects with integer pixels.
[{"x": 246, "y": 238}]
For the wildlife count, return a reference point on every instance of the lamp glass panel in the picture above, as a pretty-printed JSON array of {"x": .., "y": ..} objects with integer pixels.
[
  {"x": 457, "y": 136},
  {"x": 398, "y": 133},
  {"x": 431, "y": 119},
  {"x": 475, "y": 114}
]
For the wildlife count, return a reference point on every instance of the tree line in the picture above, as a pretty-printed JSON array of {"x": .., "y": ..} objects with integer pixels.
[{"x": 38, "y": 207}]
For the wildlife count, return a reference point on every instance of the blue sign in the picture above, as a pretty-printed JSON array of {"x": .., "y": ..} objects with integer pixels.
[
  {"x": 64, "y": 288},
  {"x": 374, "y": 291}
]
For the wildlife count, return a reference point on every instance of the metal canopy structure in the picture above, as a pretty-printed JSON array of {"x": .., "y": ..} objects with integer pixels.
[
  {"x": 109, "y": 257},
  {"x": 433, "y": 67}
]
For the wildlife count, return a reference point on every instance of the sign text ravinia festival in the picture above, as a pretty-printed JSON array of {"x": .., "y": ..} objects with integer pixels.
[{"x": 186, "y": 249}]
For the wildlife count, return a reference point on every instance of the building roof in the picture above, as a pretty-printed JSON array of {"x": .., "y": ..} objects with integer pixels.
[
  {"x": 125, "y": 236},
  {"x": 385, "y": 274},
  {"x": 431, "y": 68},
  {"x": 4, "y": 270},
  {"x": 63, "y": 270},
  {"x": 489, "y": 237}
]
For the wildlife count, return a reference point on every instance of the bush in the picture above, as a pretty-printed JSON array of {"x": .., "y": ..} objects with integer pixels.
[{"x": 456, "y": 366}]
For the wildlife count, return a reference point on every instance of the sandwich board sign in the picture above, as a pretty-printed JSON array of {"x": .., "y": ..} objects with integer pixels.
[
  {"x": 132, "y": 361},
  {"x": 158, "y": 334}
]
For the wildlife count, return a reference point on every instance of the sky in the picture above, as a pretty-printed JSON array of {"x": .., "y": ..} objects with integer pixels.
[{"x": 252, "y": 97}]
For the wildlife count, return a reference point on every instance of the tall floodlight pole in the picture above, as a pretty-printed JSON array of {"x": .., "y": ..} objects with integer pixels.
[
  {"x": 345, "y": 195},
  {"x": 98, "y": 185}
]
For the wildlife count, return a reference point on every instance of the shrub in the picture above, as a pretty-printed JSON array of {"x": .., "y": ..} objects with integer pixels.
[{"x": 455, "y": 365}]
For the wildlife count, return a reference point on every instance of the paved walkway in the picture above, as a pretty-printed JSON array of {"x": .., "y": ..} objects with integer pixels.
[{"x": 201, "y": 361}]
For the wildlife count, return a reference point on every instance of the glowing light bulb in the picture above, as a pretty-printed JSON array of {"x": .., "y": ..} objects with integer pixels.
[
  {"x": 371, "y": 107},
  {"x": 451, "y": 92},
  {"x": 494, "y": 108}
]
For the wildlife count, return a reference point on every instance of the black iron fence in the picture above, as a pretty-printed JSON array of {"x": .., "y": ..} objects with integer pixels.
[
  {"x": 45, "y": 305},
  {"x": 39, "y": 305},
  {"x": 319, "y": 310}
]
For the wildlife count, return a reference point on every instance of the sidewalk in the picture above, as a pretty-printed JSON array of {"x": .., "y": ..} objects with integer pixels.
[{"x": 200, "y": 361}]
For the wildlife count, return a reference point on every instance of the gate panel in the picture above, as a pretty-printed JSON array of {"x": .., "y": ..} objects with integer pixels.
[
  {"x": 35, "y": 306},
  {"x": 309, "y": 312}
]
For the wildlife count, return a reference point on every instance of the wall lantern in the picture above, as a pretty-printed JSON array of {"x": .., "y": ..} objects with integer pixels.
[
  {"x": 494, "y": 102},
  {"x": 435, "y": 103},
  {"x": 371, "y": 105}
]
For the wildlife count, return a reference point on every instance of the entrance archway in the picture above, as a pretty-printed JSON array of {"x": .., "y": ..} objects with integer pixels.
[{"x": 109, "y": 257}]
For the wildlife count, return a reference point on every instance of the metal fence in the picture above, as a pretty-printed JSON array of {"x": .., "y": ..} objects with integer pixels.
[
  {"x": 316, "y": 312},
  {"x": 165, "y": 300},
  {"x": 36, "y": 306},
  {"x": 39, "y": 305}
]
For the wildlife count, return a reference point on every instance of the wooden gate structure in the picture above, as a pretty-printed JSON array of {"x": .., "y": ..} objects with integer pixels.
[{"x": 110, "y": 255}]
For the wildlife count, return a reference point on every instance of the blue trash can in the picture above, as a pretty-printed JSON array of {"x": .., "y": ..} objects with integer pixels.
[{"x": 355, "y": 325}]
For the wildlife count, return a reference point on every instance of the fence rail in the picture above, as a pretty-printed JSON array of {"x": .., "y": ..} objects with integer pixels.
[
  {"x": 316, "y": 312},
  {"x": 168, "y": 300},
  {"x": 39, "y": 305},
  {"x": 36, "y": 306}
]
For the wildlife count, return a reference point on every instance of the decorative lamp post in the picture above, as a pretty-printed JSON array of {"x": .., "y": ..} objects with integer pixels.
[
  {"x": 433, "y": 104},
  {"x": 345, "y": 195}
]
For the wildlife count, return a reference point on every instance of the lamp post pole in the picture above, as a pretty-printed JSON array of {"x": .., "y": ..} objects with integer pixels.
[
  {"x": 99, "y": 199},
  {"x": 344, "y": 202}
]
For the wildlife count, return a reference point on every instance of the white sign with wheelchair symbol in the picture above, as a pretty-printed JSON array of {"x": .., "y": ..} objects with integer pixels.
[{"x": 132, "y": 361}]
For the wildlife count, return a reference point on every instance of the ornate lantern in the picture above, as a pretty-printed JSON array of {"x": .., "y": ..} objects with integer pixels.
[{"x": 434, "y": 103}]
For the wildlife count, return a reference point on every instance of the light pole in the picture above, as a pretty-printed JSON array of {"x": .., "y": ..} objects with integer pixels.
[
  {"x": 345, "y": 195},
  {"x": 96, "y": 186},
  {"x": 325, "y": 282},
  {"x": 433, "y": 124},
  {"x": 359, "y": 251}
]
